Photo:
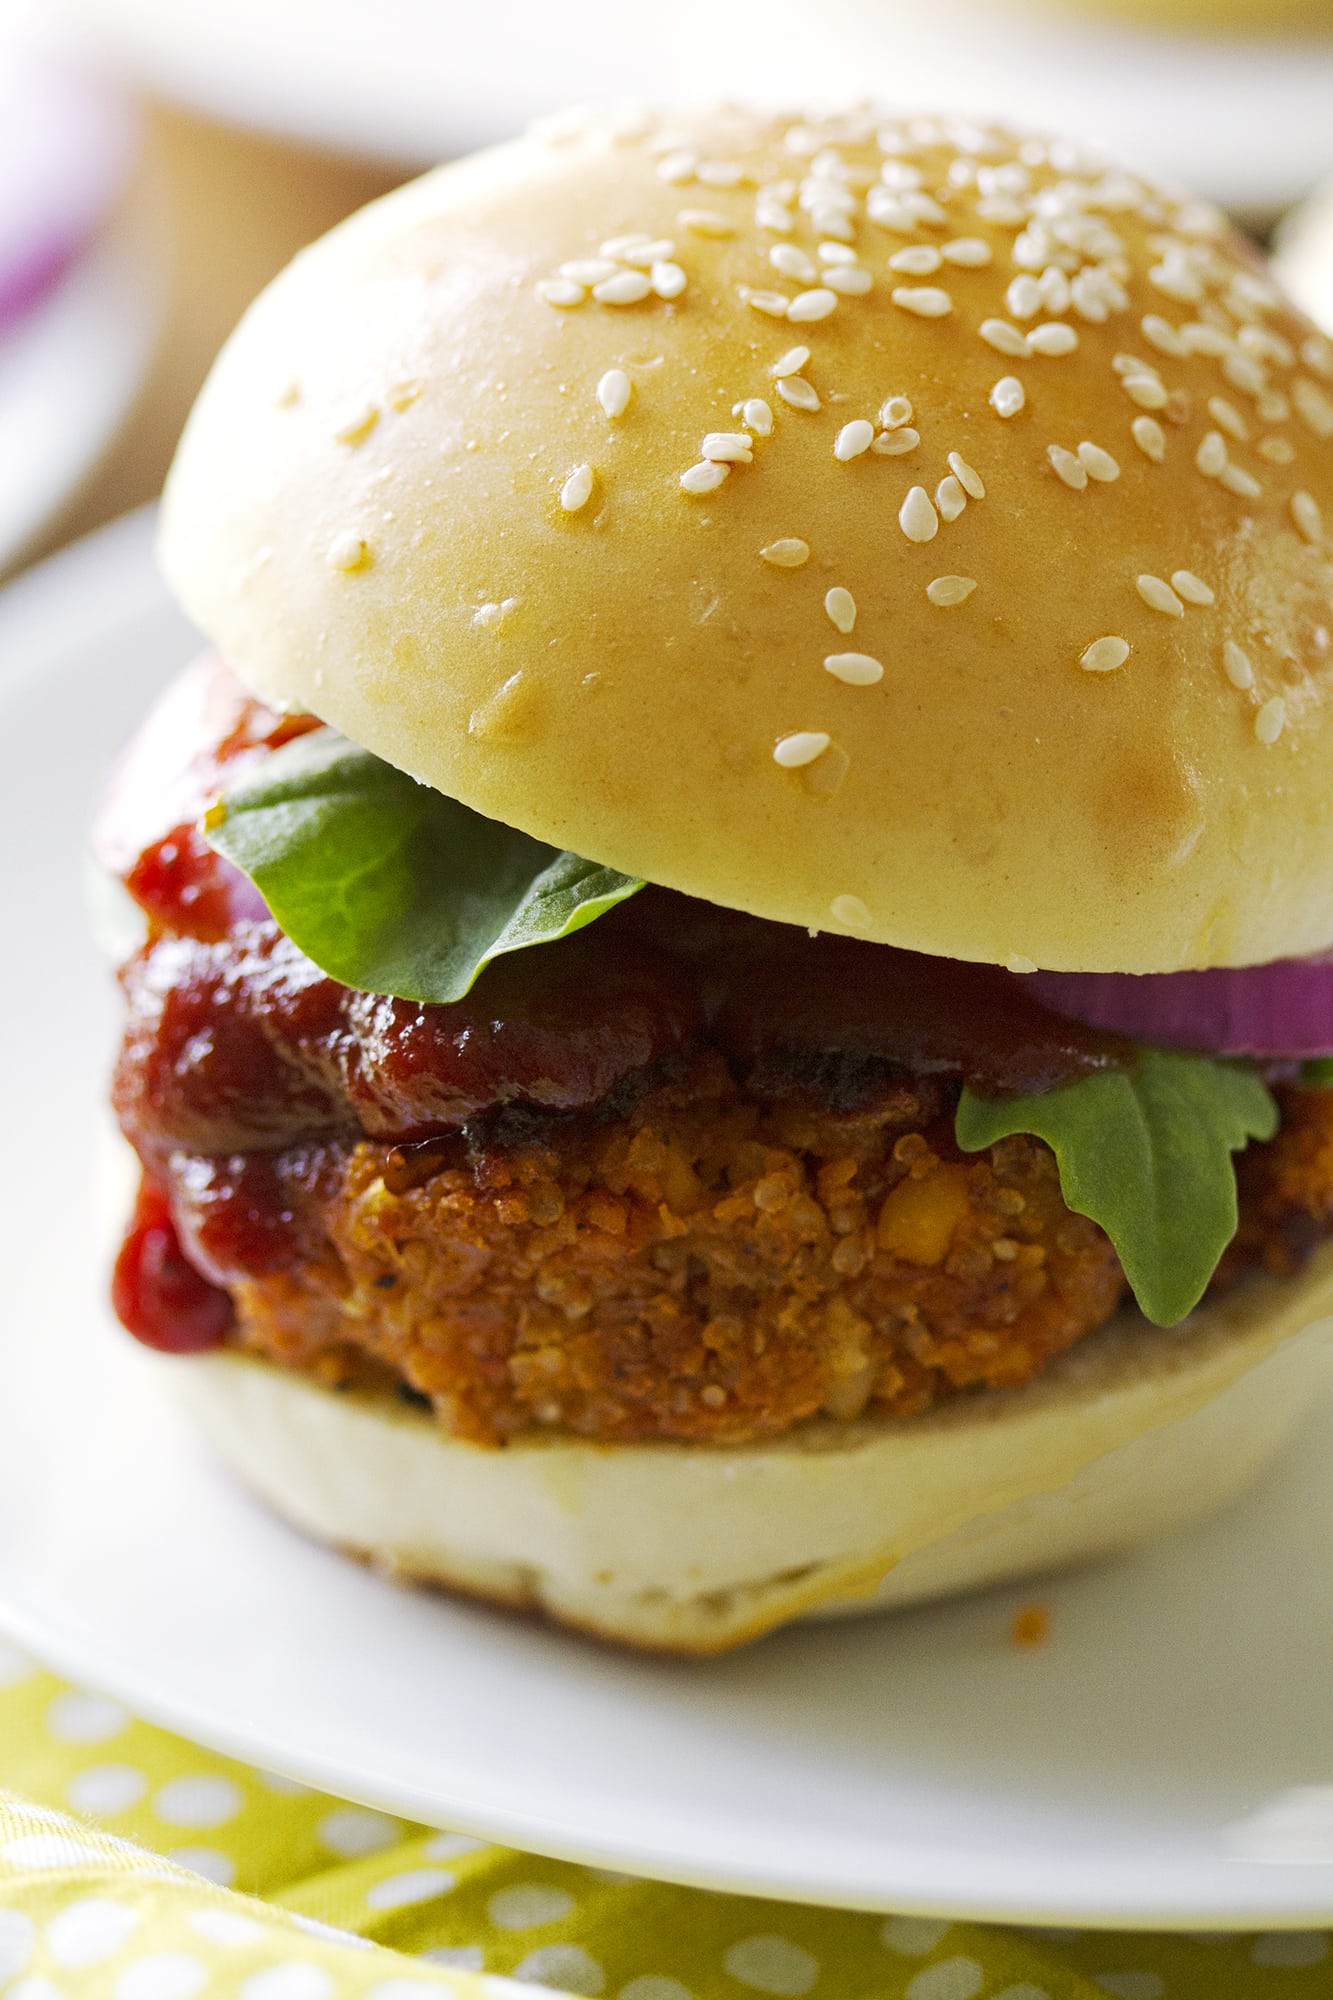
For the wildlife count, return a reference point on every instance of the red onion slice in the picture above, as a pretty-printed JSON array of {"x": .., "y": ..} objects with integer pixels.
[
  {"x": 65, "y": 148},
  {"x": 1283, "y": 1010}
]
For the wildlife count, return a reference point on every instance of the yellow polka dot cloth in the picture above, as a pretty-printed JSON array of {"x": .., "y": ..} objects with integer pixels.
[{"x": 134, "y": 1866}]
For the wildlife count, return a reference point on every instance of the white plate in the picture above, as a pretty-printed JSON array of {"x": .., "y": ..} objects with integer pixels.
[
  {"x": 1123, "y": 1775},
  {"x": 69, "y": 374},
  {"x": 1244, "y": 120}
]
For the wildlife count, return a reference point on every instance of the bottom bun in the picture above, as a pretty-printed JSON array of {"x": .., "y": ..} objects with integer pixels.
[{"x": 691, "y": 1548}]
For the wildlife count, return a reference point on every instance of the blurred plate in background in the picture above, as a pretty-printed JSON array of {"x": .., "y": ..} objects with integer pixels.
[{"x": 1243, "y": 119}]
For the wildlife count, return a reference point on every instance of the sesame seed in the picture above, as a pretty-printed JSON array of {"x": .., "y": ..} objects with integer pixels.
[
  {"x": 1211, "y": 455},
  {"x": 630, "y": 245},
  {"x": 1305, "y": 512},
  {"x": 348, "y": 551},
  {"x": 850, "y": 912},
  {"x": 1098, "y": 464},
  {"x": 1237, "y": 480},
  {"x": 850, "y": 281},
  {"x": 970, "y": 481},
  {"x": 1159, "y": 596},
  {"x": 1206, "y": 340},
  {"x": 969, "y": 253},
  {"x": 1008, "y": 396},
  {"x": 720, "y": 173},
  {"x": 705, "y": 222},
  {"x": 813, "y": 305},
  {"x": 917, "y": 517},
  {"x": 1191, "y": 587},
  {"x": 1053, "y": 336},
  {"x": 802, "y": 747},
  {"x": 577, "y": 489},
  {"x": 668, "y": 279},
  {"x": 790, "y": 363},
  {"x": 1160, "y": 333},
  {"x": 1103, "y": 656},
  {"x": 894, "y": 413},
  {"x": 1318, "y": 355},
  {"x": 1228, "y": 418},
  {"x": 1148, "y": 391},
  {"x": 757, "y": 416},
  {"x": 589, "y": 270},
  {"x": 1236, "y": 666},
  {"x": 561, "y": 292},
  {"x": 835, "y": 253},
  {"x": 917, "y": 261},
  {"x": 926, "y": 301},
  {"x": 772, "y": 304},
  {"x": 853, "y": 439},
  {"x": 1004, "y": 338},
  {"x": 789, "y": 553},
  {"x": 841, "y": 607},
  {"x": 801, "y": 395},
  {"x": 677, "y": 168},
  {"x": 1017, "y": 963},
  {"x": 950, "y": 498},
  {"x": 1067, "y": 467},
  {"x": 855, "y": 669},
  {"x": 1314, "y": 407},
  {"x": 947, "y": 590},
  {"x": 896, "y": 444},
  {"x": 705, "y": 477},
  {"x": 1277, "y": 450},
  {"x": 793, "y": 263},
  {"x": 614, "y": 391},
  {"x": 1023, "y": 296},
  {"x": 1244, "y": 373},
  {"x": 1150, "y": 438},
  {"x": 625, "y": 289},
  {"x": 727, "y": 447},
  {"x": 1271, "y": 719}
]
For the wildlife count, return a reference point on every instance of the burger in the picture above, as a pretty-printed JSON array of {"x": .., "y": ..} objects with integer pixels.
[{"x": 734, "y": 1008}]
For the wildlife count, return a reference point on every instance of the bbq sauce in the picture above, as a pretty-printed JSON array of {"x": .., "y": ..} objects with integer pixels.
[{"x": 238, "y": 1049}]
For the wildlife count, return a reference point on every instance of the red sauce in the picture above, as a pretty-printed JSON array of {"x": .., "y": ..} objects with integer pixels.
[{"x": 238, "y": 1049}]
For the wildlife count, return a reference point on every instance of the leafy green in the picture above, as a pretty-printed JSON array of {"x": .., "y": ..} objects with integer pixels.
[
  {"x": 1147, "y": 1154},
  {"x": 1317, "y": 1073},
  {"x": 390, "y": 886}
]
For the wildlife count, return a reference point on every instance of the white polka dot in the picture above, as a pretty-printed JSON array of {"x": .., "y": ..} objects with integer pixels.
[
  {"x": 1290, "y": 1948},
  {"x": 352, "y": 1831},
  {"x": 206, "y": 1800},
  {"x": 226, "y": 1927},
  {"x": 17, "y": 1933},
  {"x": 297, "y": 1980},
  {"x": 403, "y": 1989},
  {"x": 163, "y": 1975},
  {"x": 527, "y": 1904},
  {"x": 913, "y": 1936},
  {"x": 567, "y": 1966},
  {"x": 210, "y": 1862},
  {"x": 106, "y": 1788},
  {"x": 14, "y": 1665},
  {"x": 314, "y": 1928},
  {"x": 950, "y": 1979},
  {"x": 85, "y": 1718},
  {"x": 91, "y": 1929},
  {"x": 771, "y": 1965},
  {"x": 414, "y": 1885},
  {"x": 273, "y": 1781},
  {"x": 35, "y": 1987},
  {"x": 448, "y": 1846},
  {"x": 1131, "y": 1985},
  {"x": 653, "y": 1986},
  {"x": 463, "y": 1957},
  {"x": 48, "y": 1850}
]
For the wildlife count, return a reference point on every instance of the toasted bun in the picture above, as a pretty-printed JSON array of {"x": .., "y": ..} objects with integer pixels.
[
  {"x": 366, "y": 516},
  {"x": 1131, "y": 1434}
]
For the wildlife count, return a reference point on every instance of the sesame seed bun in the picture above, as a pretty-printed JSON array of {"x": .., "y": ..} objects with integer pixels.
[
  {"x": 996, "y": 626},
  {"x": 1304, "y": 258},
  {"x": 688, "y": 1548}
]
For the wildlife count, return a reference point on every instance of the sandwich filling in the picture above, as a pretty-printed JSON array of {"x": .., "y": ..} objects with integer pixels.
[{"x": 679, "y": 1172}]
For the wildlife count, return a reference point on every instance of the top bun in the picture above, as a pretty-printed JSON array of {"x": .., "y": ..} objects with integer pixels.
[{"x": 1090, "y": 557}]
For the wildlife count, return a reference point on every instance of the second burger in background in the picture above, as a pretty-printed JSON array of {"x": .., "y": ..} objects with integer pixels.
[{"x": 776, "y": 584}]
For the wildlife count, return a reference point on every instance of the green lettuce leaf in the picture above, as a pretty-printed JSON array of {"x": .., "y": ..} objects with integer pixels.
[
  {"x": 1317, "y": 1073},
  {"x": 388, "y": 885},
  {"x": 1147, "y": 1154}
]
